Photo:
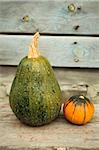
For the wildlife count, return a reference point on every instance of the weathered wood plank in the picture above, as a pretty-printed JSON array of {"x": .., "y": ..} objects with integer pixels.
[
  {"x": 49, "y": 16},
  {"x": 54, "y": 136},
  {"x": 62, "y": 51}
]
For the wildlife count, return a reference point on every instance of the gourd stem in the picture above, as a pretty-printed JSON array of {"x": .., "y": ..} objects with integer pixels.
[
  {"x": 82, "y": 97},
  {"x": 33, "y": 48}
]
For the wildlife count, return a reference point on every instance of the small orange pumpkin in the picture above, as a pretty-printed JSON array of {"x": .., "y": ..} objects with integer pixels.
[{"x": 78, "y": 110}]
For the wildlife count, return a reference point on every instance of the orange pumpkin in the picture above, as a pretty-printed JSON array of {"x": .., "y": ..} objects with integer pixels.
[{"x": 78, "y": 110}]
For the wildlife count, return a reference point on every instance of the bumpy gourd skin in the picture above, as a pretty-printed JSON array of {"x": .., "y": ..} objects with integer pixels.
[{"x": 35, "y": 95}]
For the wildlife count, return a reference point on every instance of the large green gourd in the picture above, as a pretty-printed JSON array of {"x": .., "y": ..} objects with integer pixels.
[{"x": 35, "y": 95}]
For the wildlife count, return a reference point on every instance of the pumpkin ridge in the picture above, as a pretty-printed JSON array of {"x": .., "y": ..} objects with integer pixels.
[
  {"x": 75, "y": 101},
  {"x": 84, "y": 113},
  {"x": 87, "y": 100},
  {"x": 90, "y": 104},
  {"x": 70, "y": 100},
  {"x": 74, "y": 110}
]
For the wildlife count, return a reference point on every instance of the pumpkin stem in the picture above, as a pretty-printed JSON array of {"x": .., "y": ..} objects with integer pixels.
[
  {"x": 82, "y": 97},
  {"x": 33, "y": 48}
]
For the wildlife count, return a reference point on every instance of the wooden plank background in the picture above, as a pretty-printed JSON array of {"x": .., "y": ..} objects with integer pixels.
[
  {"x": 47, "y": 16},
  {"x": 62, "y": 51}
]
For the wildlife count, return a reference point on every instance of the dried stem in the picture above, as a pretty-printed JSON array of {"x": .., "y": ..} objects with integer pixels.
[{"x": 33, "y": 48}]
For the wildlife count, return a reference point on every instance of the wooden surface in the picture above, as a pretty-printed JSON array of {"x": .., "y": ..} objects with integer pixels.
[
  {"x": 48, "y": 16},
  {"x": 59, "y": 135},
  {"x": 56, "y": 135},
  {"x": 60, "y": 50}
]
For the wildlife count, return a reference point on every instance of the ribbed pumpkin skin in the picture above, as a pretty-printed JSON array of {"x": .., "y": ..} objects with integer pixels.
[
  {"x": 78, "y": 110},
  {"x": 35, "y": 95}
]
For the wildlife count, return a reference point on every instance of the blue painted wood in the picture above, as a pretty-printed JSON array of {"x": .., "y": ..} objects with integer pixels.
[
  {"x": 49, "y": 16},
  {"x": 62, "y": 51}
]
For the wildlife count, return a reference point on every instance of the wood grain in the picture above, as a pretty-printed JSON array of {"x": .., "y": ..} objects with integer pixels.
[
  {"x": 48, "y": 16},
  {"x": 62, "y": 51},
  {"x": 56, "y": 135}
]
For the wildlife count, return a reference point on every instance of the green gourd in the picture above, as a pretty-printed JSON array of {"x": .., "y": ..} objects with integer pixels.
[{"x": 35, "y": 95}]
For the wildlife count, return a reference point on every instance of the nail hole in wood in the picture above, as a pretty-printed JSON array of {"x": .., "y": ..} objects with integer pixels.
[
  {"x": 71, "y": 8},
  {"x": 75, "y": 43},
  {"x": 76, "y": 27},
  {"x": 87, "y": 85},
  {"x": 76, "y": 59},
  {"x": 25, "y": 18},
  {"x": 79, "y": 8}
]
